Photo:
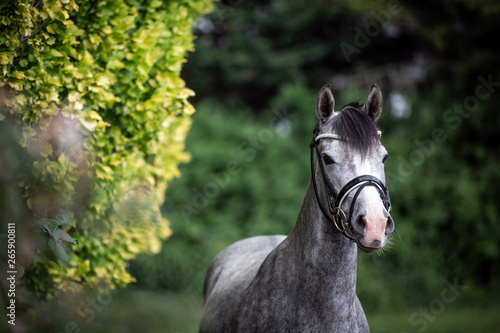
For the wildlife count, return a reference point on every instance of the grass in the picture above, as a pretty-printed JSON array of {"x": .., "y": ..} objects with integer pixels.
[
  {"x": 149, "y": 311},
  {"x": 455, "y": 319},
  {"x": 159, "y": 311},
  {"x": 141, "y": 311}
]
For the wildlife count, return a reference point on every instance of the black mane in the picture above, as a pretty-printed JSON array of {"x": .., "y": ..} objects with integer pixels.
[{"x": 354, "y": 125}]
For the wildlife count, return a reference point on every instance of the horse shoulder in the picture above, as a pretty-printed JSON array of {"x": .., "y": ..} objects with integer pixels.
[{"x": 270, "y": 296}]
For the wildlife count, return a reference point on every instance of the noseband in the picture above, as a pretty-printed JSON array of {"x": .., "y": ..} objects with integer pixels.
[{"x": 337, "y": 216}]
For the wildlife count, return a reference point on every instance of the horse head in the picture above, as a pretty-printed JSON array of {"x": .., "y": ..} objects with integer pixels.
[{"x": 348, "y": 169}]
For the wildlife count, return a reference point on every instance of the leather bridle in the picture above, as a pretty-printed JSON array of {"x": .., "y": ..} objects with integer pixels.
[{"x": 336, "y": 215}]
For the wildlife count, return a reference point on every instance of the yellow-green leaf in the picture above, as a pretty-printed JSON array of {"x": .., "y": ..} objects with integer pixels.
[{"x": 56, "y": 53}]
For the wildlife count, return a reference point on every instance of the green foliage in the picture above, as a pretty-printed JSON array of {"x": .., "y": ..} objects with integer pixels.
[{"x": 95, "y": 92}]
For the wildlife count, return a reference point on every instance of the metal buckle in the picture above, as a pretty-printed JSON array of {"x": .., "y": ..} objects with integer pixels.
[{"x": 337, "y": 218}]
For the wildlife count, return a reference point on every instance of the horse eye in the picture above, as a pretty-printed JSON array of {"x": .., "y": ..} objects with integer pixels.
[
  {"x": 327, "y": 159},
  {"x": 386, "y": 157}
]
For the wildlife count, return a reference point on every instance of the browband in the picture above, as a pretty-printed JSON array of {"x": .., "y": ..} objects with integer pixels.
[{"x": 336, "y": 136}]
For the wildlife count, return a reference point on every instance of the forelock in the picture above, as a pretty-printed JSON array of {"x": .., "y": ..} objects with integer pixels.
[{"x": 355, "y": 127}]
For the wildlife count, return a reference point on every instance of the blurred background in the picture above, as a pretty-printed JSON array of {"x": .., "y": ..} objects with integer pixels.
[{"x": 256, "y": 71}]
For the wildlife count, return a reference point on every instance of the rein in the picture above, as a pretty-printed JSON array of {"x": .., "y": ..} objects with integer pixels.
[{"x": 335, "y": 214}]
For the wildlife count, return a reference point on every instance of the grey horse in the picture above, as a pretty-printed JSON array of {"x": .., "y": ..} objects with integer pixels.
[{"x": 306, "y": 282}]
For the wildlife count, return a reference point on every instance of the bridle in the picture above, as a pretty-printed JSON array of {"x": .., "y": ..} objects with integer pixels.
[{"x": 336, "y": 215}]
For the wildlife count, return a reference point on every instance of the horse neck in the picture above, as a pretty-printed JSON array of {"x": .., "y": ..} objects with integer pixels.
[{"x": 321, "y": 250}]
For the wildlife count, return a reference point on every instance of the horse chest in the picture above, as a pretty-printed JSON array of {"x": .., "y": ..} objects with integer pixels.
[{"x": 291, "y": 298}]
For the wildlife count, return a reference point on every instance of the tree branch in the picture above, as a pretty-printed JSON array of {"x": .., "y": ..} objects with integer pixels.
[
  {"x": 38, "y": 4},
  {"x": 23, "y": 39},
  {"x": 94, "y": 3}
]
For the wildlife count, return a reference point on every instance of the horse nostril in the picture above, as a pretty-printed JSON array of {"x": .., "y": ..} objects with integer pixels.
[
  {"x": 389, "y": 226},
  {"x": 359, "y": 224}
]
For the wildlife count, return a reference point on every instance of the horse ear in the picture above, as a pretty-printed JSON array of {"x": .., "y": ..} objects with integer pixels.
[
  {"x": 373, "y": 104},
  {"x": 325, "y": 104}
]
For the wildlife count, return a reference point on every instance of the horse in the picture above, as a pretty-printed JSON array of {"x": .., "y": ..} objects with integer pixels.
[{"x": 306, "y": 282}]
